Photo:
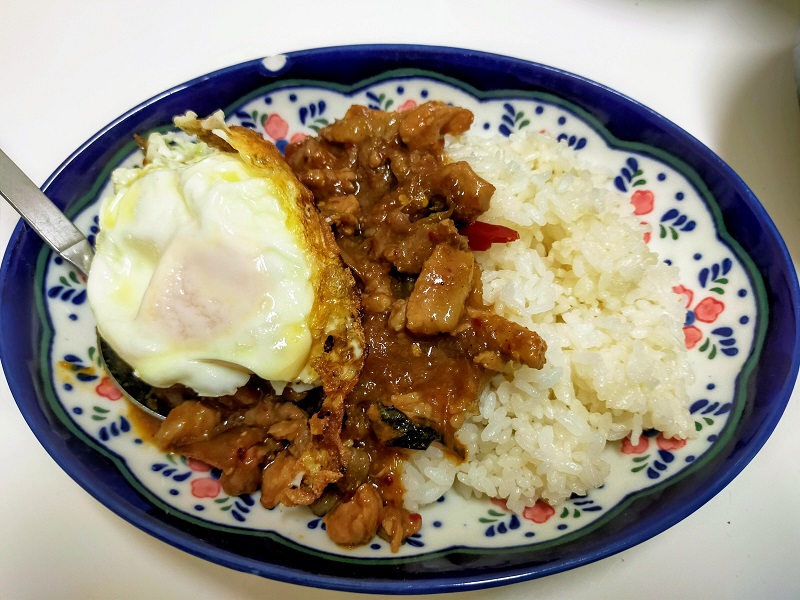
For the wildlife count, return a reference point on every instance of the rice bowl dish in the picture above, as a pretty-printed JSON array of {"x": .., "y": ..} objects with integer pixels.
[
  {"x": 466, "y": 541},
  {"x": 507, "y": 315}
]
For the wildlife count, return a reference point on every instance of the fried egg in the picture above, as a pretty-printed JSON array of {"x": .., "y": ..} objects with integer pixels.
[{"x": 212, "y": 264}]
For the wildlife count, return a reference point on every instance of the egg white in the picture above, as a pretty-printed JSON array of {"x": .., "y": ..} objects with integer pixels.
[{"x": 198, "y": 278}]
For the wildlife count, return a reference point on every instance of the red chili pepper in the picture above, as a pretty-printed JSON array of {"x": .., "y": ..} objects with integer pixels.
[{"x": 482, "y": 235}]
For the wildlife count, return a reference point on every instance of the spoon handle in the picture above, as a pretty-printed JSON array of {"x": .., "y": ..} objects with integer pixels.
[{"x": 43, "y": 216}]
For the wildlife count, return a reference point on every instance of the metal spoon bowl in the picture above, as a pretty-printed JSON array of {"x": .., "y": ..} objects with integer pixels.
[{"x": 67, "y": 241}]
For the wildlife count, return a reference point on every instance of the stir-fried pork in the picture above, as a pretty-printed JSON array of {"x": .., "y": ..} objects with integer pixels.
[{"x": 397, "y": 208}]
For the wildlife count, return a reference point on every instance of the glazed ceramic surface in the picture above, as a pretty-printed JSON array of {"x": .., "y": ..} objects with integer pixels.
[{"x": 740, "y": 308}]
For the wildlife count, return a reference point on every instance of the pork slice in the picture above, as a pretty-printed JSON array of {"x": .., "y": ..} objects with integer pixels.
[
  {"x": 224, "y": 450},
  {"x": 342, "y": 212},
  {"x": 244, "y": 476},
  {"x": 355, "y": 522},
  {"x": 407, "y": 245},
  {"x": 466, "y": 193},
  {"x": 189, "y": 422},
  {"x": 277, "y": 477},
  {"x": 493, "y": 341},
  {"x": 440, "y": 292},
  {"x": 328, "y": 183},
  {"x": 423, "y": 126},
  {"x": 265, "y": 414},
  {"x": 359, "y": 124},
  {"x": 311, "y": 153}
]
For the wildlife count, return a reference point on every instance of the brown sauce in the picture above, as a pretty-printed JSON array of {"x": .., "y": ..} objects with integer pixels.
[{"x": 146, "y": 426}]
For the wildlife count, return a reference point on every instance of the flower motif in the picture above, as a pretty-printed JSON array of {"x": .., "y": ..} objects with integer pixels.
[
  {"x": 499, "y": 502},
  {"x": 198, "y": 465},
  {"x": 629, "y": 448},
  {"x": 407, "y": 105},
  {"x": 669, "y": 444},
  {"x": 684, "y": 291},
  {"x": 206, "y": 487},
  {"x": 107, "y": 389},
  {"x": 539, "y": 512},
  {"x": 647, "y": 235},
  {"x": 692, "y": 336},
  {"x": 276, "y": 127},
  {"x": 706, "y": 311},
  {"x": 642, "y": 201}
]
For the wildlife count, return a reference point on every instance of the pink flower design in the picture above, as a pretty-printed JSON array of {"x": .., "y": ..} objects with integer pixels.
[
  {"x": 642, "y": 201},
  {"x": 297, "y": 137},
  {"x": 206, "y": 487},
  {"x": 669, "y": 443},
  {"x": 684, "y": 291},
  {"x": 706, "y": 311},
  {"x": 108, "y": 389},
  {"x": 198, "y": 465},
  {"x": 629, "y": 448},
  {"x": 500, "y": 502},
  {"x": 691, "y": 336},
  {"x": 276, "y": 127},
  {"x": 407, "y": 105},
  {"x": 539, "y": 512}
]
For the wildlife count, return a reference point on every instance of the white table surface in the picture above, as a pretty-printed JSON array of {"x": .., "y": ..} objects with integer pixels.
[{"x": 721, "y": 69}]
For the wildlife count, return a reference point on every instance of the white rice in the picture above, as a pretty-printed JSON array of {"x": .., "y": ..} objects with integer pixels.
[{"x": 583, "y": 278}]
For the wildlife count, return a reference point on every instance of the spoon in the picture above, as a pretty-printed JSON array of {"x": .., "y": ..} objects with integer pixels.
[{"x": 68, "y": 242}]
